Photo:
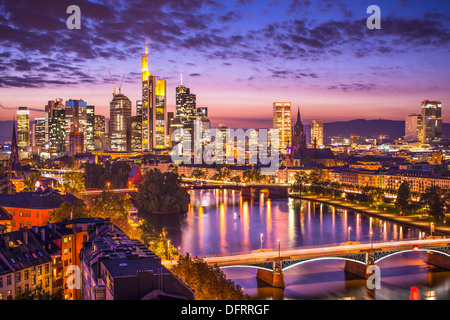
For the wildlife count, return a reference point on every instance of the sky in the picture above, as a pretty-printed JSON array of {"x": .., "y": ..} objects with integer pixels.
[{"x": 237, "y": 56}]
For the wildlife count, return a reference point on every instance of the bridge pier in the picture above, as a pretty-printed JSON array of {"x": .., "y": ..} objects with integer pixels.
[
  {"x": 357, "y": 269},
  {"x": 273, "y": 278},
  {"x": 438, "y": 260}
]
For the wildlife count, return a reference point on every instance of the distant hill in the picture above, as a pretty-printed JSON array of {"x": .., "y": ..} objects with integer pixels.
[{"x": 368, "y": 128}]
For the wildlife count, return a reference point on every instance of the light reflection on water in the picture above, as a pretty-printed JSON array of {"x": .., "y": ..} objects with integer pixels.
[{"x": 220, "y": 221}]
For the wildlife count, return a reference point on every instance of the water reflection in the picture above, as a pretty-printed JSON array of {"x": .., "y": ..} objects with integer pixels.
[{"x": 220, "y": 221}]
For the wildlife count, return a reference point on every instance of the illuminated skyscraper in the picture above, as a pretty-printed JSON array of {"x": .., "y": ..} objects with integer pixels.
[
  {"x": 413, "y": 128},
  {"x": 23, "y": 127},
  {"x": 57, "y": 103},
  {"x": 136, "y": 134},
  {"x": 185, "y": 104},
  {"x": 99, "y": 131},
  {"x": 432, "y": 121},
  {"x": 57, "y": 129},
  {"x": 76, "y": 121},
  {"x": 90, "y": 128},
  {"x": 120, "y": 122},
  {"x": 153, "y": 108},
  {"x": 282, "y": 123},
  {"x": 39, "y": 132},
  {"x": 317, "y": 133}
]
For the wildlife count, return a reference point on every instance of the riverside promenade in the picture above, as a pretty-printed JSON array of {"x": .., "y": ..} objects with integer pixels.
[{"x": 408, "y": 221}]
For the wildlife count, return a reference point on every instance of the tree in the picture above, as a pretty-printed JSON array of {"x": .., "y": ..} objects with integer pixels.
[
  {"x": 161, "y": 193},
  {"x": 30, "y": 180},
  {"x": 198, "y": 174},
  {"x": 222, "y": 172},
  {"x": 209, "y": 283},
  {"x": 300, "y": 179},
  {"x": 39, "y": 294},
  {"x": 69, "y": 210},
  {"x": 436, "y": 200},
  {"x": 73, "y": 182},
  {"x": 403, "y": 198}
]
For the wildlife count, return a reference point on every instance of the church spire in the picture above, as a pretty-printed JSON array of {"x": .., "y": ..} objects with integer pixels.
[
  {"x": 14, "y": 148},
  {"x": 298, "y": 114}
]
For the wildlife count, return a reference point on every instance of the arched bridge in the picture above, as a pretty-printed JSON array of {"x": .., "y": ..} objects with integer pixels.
[
  {"x": 248, "y": 190},
  {"x": 357, "y": 256}
]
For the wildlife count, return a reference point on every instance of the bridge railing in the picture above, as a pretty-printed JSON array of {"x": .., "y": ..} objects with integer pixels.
[{"x": 307, "y": 247}]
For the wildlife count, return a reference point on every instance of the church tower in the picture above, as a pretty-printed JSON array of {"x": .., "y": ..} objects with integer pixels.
[{"x": 299, "y": 136}]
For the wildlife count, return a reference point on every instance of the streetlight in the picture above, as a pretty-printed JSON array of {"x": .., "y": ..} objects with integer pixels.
[
  {"x": 349, "y": 228},
  {"x": 261, "y": 236},
  {"x": 168, "y": 252},
  {"x": 279, "y": 249},
  {"x": 371, "y": 240}
]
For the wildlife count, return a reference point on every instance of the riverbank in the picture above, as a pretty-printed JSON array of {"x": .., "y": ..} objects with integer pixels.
[{"x": 402, "y": 220}]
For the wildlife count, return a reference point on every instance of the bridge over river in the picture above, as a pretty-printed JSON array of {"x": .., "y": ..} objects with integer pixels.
[{"x": 358, "y": 257}]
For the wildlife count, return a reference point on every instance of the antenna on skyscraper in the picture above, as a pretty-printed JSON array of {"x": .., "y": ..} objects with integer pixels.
[{"x": 181, "y": 77}]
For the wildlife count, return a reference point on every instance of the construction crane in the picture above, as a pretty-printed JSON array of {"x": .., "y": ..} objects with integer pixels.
[{"x": 119, "y": 89}]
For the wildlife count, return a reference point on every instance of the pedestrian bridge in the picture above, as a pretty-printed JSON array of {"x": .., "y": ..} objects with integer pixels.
[{"x": 358, "y": 256}]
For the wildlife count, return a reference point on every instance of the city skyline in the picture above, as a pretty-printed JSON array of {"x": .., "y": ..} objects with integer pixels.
[{"x": 319, "y": 56}]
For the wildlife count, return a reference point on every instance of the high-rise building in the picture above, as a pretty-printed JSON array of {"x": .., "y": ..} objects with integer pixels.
[
  {"x": 413, "y": 128},
  {"x": 99, "y": 131},
  {"x": 139, "y": 108},
  {"x": 23, "y": 127},
  {"x": 120, "y": 122},
  {"x": 39, "y": 132},
  {"x": 136, "y": 134},
  {"x": 57, "y": 103},
  {"x": 432, "y": 121},
  {"x": 317, "y": 133},
  {"x": 57, "y": 128},
  {"x": 153, "y": 109},
  {"x": 76, "y": 121},
  {"x": 282, "y": 123},
  {"x": 77, "y": 144},
  {"x": 90, "y": 115},
  {"x": 185, "y": 104}
]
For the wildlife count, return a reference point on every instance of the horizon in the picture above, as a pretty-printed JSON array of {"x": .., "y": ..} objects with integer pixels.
[{"x": 237, "y": 57}]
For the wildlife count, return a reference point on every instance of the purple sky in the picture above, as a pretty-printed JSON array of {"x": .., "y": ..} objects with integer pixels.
[{"x": 237, "y": 56}]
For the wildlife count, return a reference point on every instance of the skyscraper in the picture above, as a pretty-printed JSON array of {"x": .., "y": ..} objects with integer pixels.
[
  {"x": 317, "y": 133},
  {"x": 153, "y": 108},
  {"x": 431, "y": 121},
  {"x": 39, "y": 132},
  {"x": 120, "y": 122},
  {"x": 282, "y": 123},
  {"x": 90, "y": 123},
  {"x": 185, "y": 104},
  {"x": 99, "y": 131},
  {"x": 23, "y": 127},
  {"x": 57, "y": 103},
  {"x": 136, "y": 134},
  {"x": 76, "y": 121},
  {"x": 57, "y": 128},
  {"x": 413, "y": 128}
]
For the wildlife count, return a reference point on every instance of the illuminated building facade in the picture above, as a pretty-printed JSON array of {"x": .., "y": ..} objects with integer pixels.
[
  {"x": 99, "y": 131},
  {"x": 413, "y": 127},
  {"x": 76, "y": 121},
  {"x": 136, "y": 134},
  {"x": 153, "y": 109},
  {"x": 39, "y": 132},
  {"x": 90, "y": 117},
  {"x": 282, "y": 123},
  {"x": 52, "y": 104},
  {"x": 432, "y": 121},
  {"x": 57, "y": 128},
  {"x": 120, "y": 122},
  {"x": 23, "y": 127},
  {"x": 317, "y": 133}
]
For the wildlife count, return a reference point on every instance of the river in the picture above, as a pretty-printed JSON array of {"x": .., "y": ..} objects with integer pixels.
[{"x": 220, "y": 221}]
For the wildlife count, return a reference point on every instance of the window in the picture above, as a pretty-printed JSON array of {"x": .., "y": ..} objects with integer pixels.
[
  {"x": 33, "y": 280},
  {"x": 8, "y": 280},
  {"x": 1, "y": 296},
  {"x": 47, "y": 268},
  {"x": 1, "y": 282},
  {"x": 27, "y": 287},
  {"x": 18, "y": 276},
  {"x": 65, "y": 240},
  {"x": 40, "y": 283},
  {"x": 37, "y": 214},
  {"x": 47, "y": 282},
  {"x": 39, "y": 270}
]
